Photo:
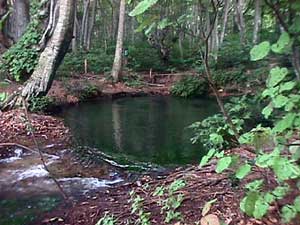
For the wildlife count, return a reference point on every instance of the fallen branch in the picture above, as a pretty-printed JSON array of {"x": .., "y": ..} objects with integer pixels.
[{"x": 17, "y": 145}]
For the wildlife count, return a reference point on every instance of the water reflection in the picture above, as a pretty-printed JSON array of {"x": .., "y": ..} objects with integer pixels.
[{"x": 148, "y": 129}]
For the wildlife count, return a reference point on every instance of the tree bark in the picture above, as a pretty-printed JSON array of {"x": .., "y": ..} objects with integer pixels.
[
  {"x": 19, "y": 19},
  {"x": 50, "y": 59},
  {"x": 225, "y": 19},
  {"x": 240, "y": 21},
  {"x": 91, "y": 23},
  {"x": 257, "y": 21},
  {"x": 84, "y": 23},
  {"x": 117, "y": 66},
  {"x": 75, "y": 31}
]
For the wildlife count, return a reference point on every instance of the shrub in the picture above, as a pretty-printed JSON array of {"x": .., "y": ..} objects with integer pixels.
[
  {"x": 189, "y": 86},
  {"x": 40, "y": 104},
  {"x": 83, "y": 91}
]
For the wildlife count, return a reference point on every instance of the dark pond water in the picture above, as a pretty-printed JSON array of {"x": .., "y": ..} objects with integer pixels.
[{"x": 145, "y": 129}]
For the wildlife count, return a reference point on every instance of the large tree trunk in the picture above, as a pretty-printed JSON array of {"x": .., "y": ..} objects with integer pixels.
[
  {"x": 117, "y": 66},
  {"x": 19, "y": 19},
  {"x": 257, "y": 21},
  {"x": 55, "y": 50}
]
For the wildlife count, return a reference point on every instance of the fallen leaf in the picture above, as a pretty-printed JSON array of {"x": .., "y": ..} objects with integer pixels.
[{"x": 210, "y": 219}]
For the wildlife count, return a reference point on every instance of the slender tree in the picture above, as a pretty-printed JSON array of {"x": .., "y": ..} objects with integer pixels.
[{"x": 117, "y": 66}]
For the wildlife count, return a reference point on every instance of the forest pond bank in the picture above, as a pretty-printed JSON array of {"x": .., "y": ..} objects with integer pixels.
[{"x": 159, "y": 139}]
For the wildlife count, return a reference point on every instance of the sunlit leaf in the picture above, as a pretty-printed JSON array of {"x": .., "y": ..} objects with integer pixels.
[{"x": 260, "y": 51}]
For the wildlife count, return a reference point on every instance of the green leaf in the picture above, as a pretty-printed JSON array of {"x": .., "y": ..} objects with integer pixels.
[
  {"x": 285, "y": 123},
  {"x": 142, "y": 7},
  {"x": 284, "y": 169},
  {"x": 205, "y": 159},
  {"x": 295, "y": 150},
  {"x": 223, "y": 164},
  {"x": 260, "y": 51},
  {"x": 282, "y": 43},
  {"x": 261, "y": 208},
  {"x": 297, "y": 203},
  {"x": 280, "y": 101},
  {"x": 216, "y": 139},
  {"x": 163, "y": 24},
  {"x": 250, "y": 203},
  {"x": 243, "y": 171},
  {"x": 255, "y": 185},
  {"x": 280, "y": 192},
  {"x": 287, "y": 86},
  {"x": 267, "y": 111},
  {"x": 277, "y": 74},
  {"x": 288, "y": 213}
]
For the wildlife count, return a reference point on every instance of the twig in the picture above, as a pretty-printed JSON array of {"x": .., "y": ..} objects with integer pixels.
[
  {"x": 17, "y": 145},
  {"x": 40, "y": 152}
]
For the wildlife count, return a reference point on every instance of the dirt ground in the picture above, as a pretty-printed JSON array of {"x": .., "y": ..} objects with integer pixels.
[{"x": 202, "y": 185}]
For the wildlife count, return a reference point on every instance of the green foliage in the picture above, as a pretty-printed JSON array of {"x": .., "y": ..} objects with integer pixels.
[
  {"x": 142, "y": 7},
  {"x": 137, "y": 208},
  {"x": 133, "y": 80},
  {"x": 3, "y": 96},
  {"x": 40, "y": 104},
  {"x": 284, "y": 104},
  {"x": 98, "y": 62},
  {"x": 21, "y": 59},
  {"x": 83, "y": 90},
  {"x": 260, "y": 51},
  {"x": 215, "y": 134},
  {"x": 107, "y": 219},
  {"x": 232, "y": 54},
  {"x": 189, "y": 86},
  {"x": 172, "y": 201},
  {"x": 142, "y": 57}
]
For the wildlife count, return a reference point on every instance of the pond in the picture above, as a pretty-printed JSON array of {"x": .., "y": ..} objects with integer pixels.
[{"x": 144, "y": 129}]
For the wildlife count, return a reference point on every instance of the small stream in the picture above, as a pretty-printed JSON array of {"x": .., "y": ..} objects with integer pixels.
[{"x": 112, "y": 137}]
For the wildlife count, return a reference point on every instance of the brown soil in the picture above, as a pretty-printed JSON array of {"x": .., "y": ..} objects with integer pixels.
[
  {"x": 47, "y": 129},
  {"x": 202, "y": 185}
]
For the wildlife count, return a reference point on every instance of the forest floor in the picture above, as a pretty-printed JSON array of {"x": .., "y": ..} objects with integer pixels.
[{"x": 201, "y": 185}]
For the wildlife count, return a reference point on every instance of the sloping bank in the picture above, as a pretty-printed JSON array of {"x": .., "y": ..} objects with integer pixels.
[{"x": 182, "y": 196}]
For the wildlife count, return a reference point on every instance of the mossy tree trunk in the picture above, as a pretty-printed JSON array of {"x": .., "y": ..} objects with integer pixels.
[{"x": 56, "y": 47}]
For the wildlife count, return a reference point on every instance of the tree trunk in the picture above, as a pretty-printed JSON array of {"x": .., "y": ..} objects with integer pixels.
[
  {"x": 117, "y": 66},
  {"x": 84, "y": 23},
  {"x": 225, "y": 19},
  {"x": 4, "y": 13},
  {"x": 75, "y": 31},
  {"x": 296, "y": 59},
  {"x": 257, "y": 21},
  {"x": 91, "y": 23},
  {"x": 50, "y": 59},
  {"x": 240, "y": 21},
  {"x": 19, "y": 19}
]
